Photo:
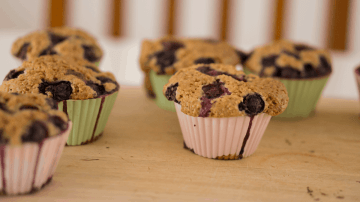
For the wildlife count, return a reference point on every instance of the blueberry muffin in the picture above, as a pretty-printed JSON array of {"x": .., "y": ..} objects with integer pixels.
[
  {"x": 31, "y": 129},
  {"x": 62, "y": 41},
  {"x": 161, "y": 58},
  {"x": 77, "y": 89},
  {"x": 303, "y": 69},
  {"x": 223, "y": 113}
]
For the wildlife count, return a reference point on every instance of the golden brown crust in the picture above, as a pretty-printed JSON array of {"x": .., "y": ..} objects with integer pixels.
[
  {"x": 71, "y": 44},
  {"x": 186, "y": 55},
  {"x": 189, "y": 86},
  {"x": 274, "y": 58},
  {"x": 85, "y": 82},
  {"x": 19, "y": 112}
]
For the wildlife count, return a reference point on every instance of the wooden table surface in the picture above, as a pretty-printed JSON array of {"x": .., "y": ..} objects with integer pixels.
[{"x": 141, "y": 158}]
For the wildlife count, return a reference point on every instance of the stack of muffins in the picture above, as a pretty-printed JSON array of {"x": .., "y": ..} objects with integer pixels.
[{"x": 57, "y": 96}]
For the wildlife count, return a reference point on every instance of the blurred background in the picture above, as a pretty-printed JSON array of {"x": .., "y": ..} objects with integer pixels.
[{"x": 120, "y": 25}]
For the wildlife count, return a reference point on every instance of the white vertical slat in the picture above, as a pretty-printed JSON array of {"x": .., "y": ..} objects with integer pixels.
[
  {"x": 93, "y": 16},
  {"x": 252, "y": 22},
  {"x": 22, "y": 14},
  {"x": 198, "y": 18},
  {"x": 144, "y": 18},
  {"x": 307, "y": 21}
]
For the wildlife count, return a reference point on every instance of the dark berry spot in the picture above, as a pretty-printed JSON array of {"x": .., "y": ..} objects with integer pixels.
[
  {"x": 205, "y": 107},
  {"x": 243, "y": 56},
  {"x": 302, "y": 47},
  {"x": 28, "y": 107},
  {"x": 165, "y": 59},
  {"x": 291, "y": 54},
  {"x": 215, "y": 90},
  {"x": 35, "y": 133},
  {"x": 212, "y": 72},
  {"x": 89, "y": 53},
  {"x": 172, "y": 45},
  {"x": 13, "y": 74},
  {"x": 22, "y": 52},
  {"x": 48, "y": 51},
  {"x": 52, "y": 103},
  {"x": 60, "y": 90},
  {"x": 309, "y": 71},
  {"x": 170, "y": 93},
  {"x": 55, "y": 39},
  {"x": 99, "y": 89},
  {"x": 204, "y": 61},
  {"x": 59, "y": 122},
  {"x": 93, "y": 69},
  {"x": 325, "y": 67},
  {"x": 104, "y": 80},
  {"x": 269, "y": 61},
  {"x": 15, "y": 93},
  {"x": 4, "y": 108},
  {"x": 288, "y": 72},
  {"x": 252, "y": 104},
  {"x": 77, "y": 74},
  {"x": 2, "y": 138}
]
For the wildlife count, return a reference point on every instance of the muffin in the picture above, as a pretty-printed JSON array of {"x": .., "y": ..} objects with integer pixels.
[
  {"x": 32, "y": 138},
  {"x": 85, "y": 95},
  {"x": 223, "y": 113},
  {"x": 303, "y": 69},
  {"x": 161, "y": 58},
  {"x": 63, "y": 41}
]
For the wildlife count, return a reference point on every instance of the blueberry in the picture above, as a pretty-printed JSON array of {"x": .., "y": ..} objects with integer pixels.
[
  {"x": 302, "y": 47},
  {"x": 172, "y": 45},
  {"x": 243, "y": 56},
  {"x": 291, "y": 54},
  {"x": 28, "y": 107},
  {"x": 35, "y": 133},
  {"x": 170, "y": 93},
  {"x": 55, "y": 39},
  {"x": 324, "y": 68},
  {"x": 60, "y": 90},
  {"x": 252, "y": 104},
  {"x": 59, "y": 122},
  {"x": 204, "y": 61},
  {"x": 99, "y": 89},
  {"x": 22, "y": 52},
  {"x": 48, "y": 51},
  {"x": 2, "y": 138},
  {"x": 89, "y": 53},
  {"x": 13, "y": 74},
  {"x": 213, "y": 90},
  {"x": 164, "y": 59},
  {"x": 269, "y": 61}
]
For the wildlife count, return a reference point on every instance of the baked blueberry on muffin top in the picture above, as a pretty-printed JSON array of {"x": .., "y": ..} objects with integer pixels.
[
  {"x": 284, "y": 59},
  {"x": 218, "y": 90},
  {"x": 59, "y": 78},
  {"x": 62, "y": 41},
  {"x": 29, "y": 118}
]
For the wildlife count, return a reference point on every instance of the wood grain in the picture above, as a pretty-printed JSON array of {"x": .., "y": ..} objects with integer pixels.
[
  {"x": 117, "y": 25},
  {"x": 278, "y": 28},
  {"x": 170, "y": 17},
  {"x": 57, "y": 13},
  {"x": 141, "y": 158}
]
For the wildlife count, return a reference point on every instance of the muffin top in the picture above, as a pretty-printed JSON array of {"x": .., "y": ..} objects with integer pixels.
[
  {"x": 284, "y": 59},
  {"x": 62, "y": 41},
  {"x": 59, "y": 78},
  {"x": 168, "y": 54},
  {"x": 218, "y": 90},
  {"x": 29, "y": 118}
]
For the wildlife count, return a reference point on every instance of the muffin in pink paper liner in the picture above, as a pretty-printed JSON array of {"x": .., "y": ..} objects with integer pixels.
[
  {"x": 32, "y": 138},
  {"x": 223, "y": 113}
]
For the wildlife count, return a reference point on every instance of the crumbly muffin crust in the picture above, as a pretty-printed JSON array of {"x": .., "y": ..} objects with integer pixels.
[
  {"x": 62, "y": 41},
  {"x": 285, "y": 59},
  {"x": 218, "y": 90},
  {"x": 29, "y": 118},
  {"x": 59, "y": 78}
]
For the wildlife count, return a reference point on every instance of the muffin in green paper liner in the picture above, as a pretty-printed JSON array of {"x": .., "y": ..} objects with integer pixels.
[
  {"x": 80, "y": 90},
  {"x": 303, "y": 70},
  {"x": 161, "y": 58},
  {"x": 63, "y": 41}
]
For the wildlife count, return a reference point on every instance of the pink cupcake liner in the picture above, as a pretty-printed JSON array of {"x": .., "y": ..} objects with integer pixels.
[
  {"x": 222, "y": 138},
  {"x": 30, "y": 166}
]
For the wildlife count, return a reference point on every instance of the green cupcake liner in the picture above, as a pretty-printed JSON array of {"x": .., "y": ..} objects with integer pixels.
[
  {"x": 88, "y": 124},
  {"x": 157, "y": 83},
  {"x": 97, "y": 63},
  {"x": 303, "y": 95}
]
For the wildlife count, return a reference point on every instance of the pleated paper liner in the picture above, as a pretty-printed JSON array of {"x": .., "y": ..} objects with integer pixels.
[
  {"x": 89, "y": 117},
  {"x": 222, "y": 138},
  {"x": 303, "y": 95},
  {"x": 28, "y": 167},
  {"x": 158, "y": 82}
]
